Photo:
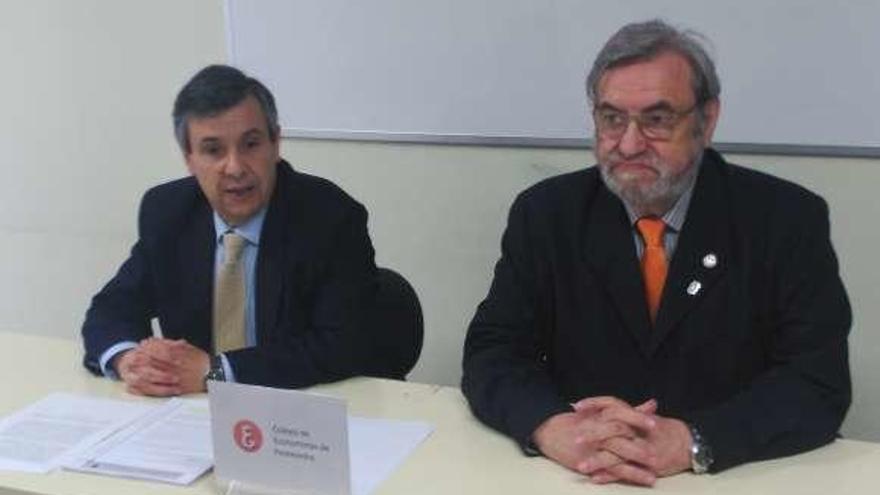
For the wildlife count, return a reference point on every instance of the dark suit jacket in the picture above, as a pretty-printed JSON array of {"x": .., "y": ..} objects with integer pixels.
[
  {"x": 756, "y": 359},
  {"x": 315, "y": 276}
]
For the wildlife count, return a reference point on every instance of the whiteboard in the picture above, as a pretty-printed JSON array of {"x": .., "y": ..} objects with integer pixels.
[{"x": 796, "y": 75}]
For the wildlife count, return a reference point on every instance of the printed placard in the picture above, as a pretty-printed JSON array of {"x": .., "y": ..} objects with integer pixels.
[{"x": 284, "y": 441}]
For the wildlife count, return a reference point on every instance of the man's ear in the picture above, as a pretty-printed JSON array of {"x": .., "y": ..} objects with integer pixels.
[
  {"x": 277, "y": 143},
  {"x": 187, "y": 158},
  {"x": 711, "y": 110}
]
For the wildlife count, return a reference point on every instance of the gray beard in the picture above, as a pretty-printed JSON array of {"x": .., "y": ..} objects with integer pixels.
[{"x": 658, "y": 198}]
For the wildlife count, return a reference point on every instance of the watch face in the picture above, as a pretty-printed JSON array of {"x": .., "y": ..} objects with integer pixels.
[
  {"x": 214, "y": 375},
  {"x": 701, "y": 453},
  {"x": 216, "y": 372}
]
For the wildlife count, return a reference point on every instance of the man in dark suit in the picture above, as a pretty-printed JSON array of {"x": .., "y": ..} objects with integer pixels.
[
  {"x": 256, "y": 273},
  {"x": 665, "y": 310}
]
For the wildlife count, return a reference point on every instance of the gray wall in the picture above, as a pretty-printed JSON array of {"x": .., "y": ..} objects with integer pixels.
[{"x": 87, "y": 92}]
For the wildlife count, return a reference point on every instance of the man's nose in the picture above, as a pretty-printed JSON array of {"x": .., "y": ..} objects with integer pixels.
[
  {"x": 632, "y": 142},
  {"x": 235, "y": 165}
]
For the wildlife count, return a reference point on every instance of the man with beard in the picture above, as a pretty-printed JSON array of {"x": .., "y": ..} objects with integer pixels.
[{"x": 665, "y": 311}]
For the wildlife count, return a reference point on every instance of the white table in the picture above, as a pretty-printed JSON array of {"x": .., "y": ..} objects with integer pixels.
[{"x": 461, "y": 457}]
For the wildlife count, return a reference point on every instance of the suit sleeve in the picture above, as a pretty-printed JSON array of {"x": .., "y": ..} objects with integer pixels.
[
  {"x": 121, "y": 311},
  {"x": 335, "y": 342},
  {"x": 505, "y": 379},
  {"x": 801, "y": 400}
]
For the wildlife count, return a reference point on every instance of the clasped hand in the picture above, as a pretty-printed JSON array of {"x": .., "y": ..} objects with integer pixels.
[
  {"x": 163, "y": 367},
  {"x": 608, "y": 440}
]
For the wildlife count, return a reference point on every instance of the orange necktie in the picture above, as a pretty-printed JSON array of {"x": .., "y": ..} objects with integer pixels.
[{"x": 653, "y": 261}]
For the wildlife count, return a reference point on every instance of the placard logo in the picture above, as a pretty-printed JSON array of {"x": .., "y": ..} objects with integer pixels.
[{"x": 247, "y": 435}]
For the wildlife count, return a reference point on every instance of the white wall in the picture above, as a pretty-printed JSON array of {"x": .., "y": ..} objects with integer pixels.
[
  {"x": 87, "y": 93},
  {"x": 85, "y": 128}
]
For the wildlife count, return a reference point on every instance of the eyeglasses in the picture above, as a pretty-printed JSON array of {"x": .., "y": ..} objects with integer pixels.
[{"x": 658, "y": 124}]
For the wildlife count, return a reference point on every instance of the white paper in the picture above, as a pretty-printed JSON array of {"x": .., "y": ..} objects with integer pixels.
[
  {"x": 378, "y": 447},
  {"x": 171, "y": 444},
  {"x": 40, "y": 437}
]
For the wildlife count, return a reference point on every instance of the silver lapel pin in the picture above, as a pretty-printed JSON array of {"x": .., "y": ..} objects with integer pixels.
[{"x": 710, "y": 261}]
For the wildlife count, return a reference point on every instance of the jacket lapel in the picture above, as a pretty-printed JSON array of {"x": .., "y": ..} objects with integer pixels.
[
  {"x": 701, "y": 255},
  {"x": 196, "y": 250},
  {"x": 610, "y": 251},
  {"x": 271, "y": 255}
]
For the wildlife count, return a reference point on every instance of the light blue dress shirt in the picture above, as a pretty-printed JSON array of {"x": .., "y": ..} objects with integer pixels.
[{"x": 250, "y": 230}]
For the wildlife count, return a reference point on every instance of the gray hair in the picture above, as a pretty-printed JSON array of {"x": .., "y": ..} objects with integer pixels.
[
  {"x": 215, "y": 89},
  {"x": 641, "y": 41}
]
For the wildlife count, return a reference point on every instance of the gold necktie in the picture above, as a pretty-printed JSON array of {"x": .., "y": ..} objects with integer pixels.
[
  {"x": 653, "y": 261},
  {"x": 229, "y": 297}
]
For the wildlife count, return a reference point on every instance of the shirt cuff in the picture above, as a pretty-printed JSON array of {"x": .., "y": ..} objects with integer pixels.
[
  {"x": 111, "y": 353},
  {"x": 227, "y": 369}
]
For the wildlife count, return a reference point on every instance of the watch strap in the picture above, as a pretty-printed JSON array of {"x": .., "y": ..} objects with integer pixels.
[
  {"x": 216, "y": 371},
  {"x": 701, "y": 452}
]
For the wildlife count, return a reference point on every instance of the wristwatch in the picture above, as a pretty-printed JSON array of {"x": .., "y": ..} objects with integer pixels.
[
  {"x": 701, "y": 453},
  {"x": 215, "y": 372}
]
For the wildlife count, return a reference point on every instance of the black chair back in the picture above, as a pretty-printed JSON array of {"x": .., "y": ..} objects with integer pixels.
[{"x": 398, "y": 327}]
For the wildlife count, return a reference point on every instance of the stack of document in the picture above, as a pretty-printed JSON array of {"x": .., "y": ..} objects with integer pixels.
[{"x": 168, "y": 442}]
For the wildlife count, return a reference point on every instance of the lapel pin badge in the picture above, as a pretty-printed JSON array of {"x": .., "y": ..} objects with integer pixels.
[
  {"x": 710, "y": 261},
  {"x": 694, "y": 287}
]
